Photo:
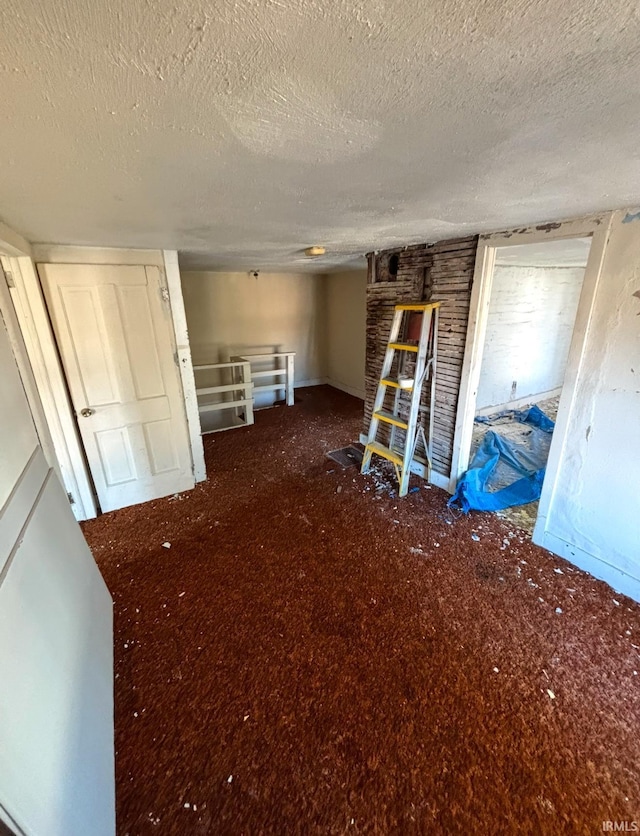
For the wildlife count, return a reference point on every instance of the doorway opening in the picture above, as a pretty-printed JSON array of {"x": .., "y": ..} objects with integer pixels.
[{"x": 532, "y": 304}]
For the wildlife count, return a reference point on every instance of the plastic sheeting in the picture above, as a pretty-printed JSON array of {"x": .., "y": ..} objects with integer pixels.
[{"x": 505, "y": 473}]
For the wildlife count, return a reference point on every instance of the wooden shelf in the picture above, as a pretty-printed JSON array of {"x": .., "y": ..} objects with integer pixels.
[
  {"x": 240, "y": 408},
  {"x": 287, "y": 372}
]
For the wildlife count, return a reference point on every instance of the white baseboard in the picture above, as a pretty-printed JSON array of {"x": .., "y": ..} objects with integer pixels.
[
  {"x": 327, "y": 381},
  {"x": 441, "y": 481},
  {"x": 314, "y": 381},
  {"x": 357, "y": 393},
  {"x": 437, "y": 479},
  {"x": 519, "y": 403},
  {"x": 618, "y": 580}
]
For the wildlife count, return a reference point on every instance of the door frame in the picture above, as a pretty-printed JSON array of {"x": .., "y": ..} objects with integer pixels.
[
  {"x": 52, "y": 405},
  {"x": 14, "y": 331},
  {"x": 167, "y": 263},
  {"x": 595, "y": 226},
  {"x": 102, "y": 282},
  {"x": 45, "y": 385},
  {"x": 185, "y": 363}
]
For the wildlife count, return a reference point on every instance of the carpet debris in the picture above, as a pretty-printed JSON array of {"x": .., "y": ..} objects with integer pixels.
[{"x": 361, "y": 664}]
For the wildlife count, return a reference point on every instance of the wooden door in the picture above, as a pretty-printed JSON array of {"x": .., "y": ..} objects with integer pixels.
[{"x": 115, "y": 336}]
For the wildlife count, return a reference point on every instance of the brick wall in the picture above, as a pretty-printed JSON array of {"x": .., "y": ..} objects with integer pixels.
[{"x": 441, "y": 272}]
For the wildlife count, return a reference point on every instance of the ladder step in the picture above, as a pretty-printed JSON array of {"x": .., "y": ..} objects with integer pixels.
[
  {"x": 385, "y": 452},
  {"x": 405, "y": 383},
  {"x": 403, "y": 347},
  {"x": 423, "y": 306},
  {"x": 399, "y": 373},
  {"x": 390, "y": 418}
]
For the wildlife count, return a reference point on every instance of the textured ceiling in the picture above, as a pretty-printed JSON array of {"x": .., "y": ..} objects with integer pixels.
[{"x": 241, "y": 132}]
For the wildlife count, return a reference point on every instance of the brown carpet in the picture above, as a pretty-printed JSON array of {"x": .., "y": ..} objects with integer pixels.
[{"x": 311, "y": 656}]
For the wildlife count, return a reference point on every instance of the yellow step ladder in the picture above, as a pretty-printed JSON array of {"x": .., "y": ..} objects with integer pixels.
[{"x": 400, "y": 451}]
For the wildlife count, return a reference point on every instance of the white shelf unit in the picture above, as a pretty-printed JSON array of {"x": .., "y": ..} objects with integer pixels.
[
  {"x": 240, "y": 406},
  {"x": 284, "y": 373}
]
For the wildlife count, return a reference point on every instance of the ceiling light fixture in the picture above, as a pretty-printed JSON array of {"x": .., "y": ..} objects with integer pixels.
[{"x": 315, "y": 251}]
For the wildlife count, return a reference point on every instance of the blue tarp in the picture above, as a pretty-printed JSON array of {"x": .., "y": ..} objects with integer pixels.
[
  {"x": 534, "y": 416},
  {"x": 474, "y": 491}
]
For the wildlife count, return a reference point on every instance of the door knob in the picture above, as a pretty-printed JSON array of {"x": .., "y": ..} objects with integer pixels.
[{"x": 86, "y": 412}]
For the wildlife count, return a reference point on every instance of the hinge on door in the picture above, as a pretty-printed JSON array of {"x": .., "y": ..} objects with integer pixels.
[
  {"x": 164, "y": 294},
  {"x": 10, "y": 280},
  {"x": 176, "y": 359},
  {"x": 70, "y": 498}
]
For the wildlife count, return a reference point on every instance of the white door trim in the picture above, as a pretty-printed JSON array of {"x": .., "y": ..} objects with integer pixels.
[
  {"x": 590, "y": 285},
  {"x": 472, "y": 361},
  {"x": 10, "y": 823},
  {"x": 596, "y": 226},
  {"x": 185, "y": 364},
  {"x": 8, "y": 310},
  {"x": 36, "y": 352},
  {"x": 11, "y": 243},
  {"x": 36, "y": 331},
  {"x": 65, "y": 254}
]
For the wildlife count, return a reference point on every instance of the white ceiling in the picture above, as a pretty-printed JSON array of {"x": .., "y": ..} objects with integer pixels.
[
  {"x": 570, "y": 252},
  {"x": 241, "y": 132}
]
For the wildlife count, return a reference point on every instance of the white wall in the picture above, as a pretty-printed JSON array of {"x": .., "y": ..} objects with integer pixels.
[
  {"x": 531, "y": 317},
  {"x": 346, "y": 312},
  {"x": 234, "y": 313},
  {"x": 592, "y": 516}
]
